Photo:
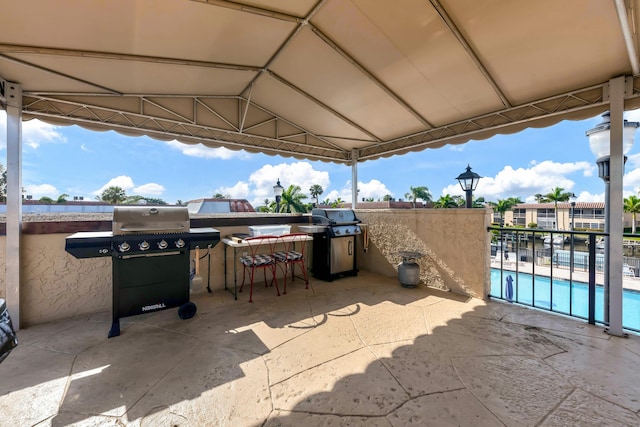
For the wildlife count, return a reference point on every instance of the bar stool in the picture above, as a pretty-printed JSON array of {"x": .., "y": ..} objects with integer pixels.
[
  {"x": 257, "y": 259},
  {"x": 291, "y": 256}
]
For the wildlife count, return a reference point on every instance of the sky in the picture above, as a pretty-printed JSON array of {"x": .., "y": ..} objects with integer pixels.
[{"x": 71, "y": 160}]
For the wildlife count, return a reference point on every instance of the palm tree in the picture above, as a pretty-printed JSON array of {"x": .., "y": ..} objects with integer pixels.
[
  {"x": 480, "y": 202},
  {"x": 62, "y": 198},
  {"x": 502, "y": 206},
  {"x": 514, "y": 201},
  {"x": 291, "y": 200},
  {"x": 422, "y": 193},
  {"x": 446, "y": 201},
  {"x": 46, "y": 200},
  {"x": 337, "y": 203},
  {"x": 113, "y": 195},
  {"x": 632, "y": 205},
  {"x": 315, "y": 190},
  {"x": 557, "y": 195}
]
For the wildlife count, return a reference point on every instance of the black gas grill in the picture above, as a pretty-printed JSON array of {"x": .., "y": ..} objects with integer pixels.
[
  {"x": 149, "y": 248},
  {"x": 334, "y": 248}
]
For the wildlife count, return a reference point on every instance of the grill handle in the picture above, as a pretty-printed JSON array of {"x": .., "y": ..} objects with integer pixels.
[
  {"x": 145, "y": 229},
  {"x": 324, "y": 218}
]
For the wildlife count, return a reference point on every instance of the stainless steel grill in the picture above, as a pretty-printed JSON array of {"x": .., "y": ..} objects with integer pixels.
[
  {"x": 150, "y": 250},
  {"x": 334, "y": 248}
]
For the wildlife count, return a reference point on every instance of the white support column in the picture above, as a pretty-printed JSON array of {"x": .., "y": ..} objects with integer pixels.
[
  {"x": 354, "y": 177},
  {"x": 616, "y": 211},
  {"x": 13, "y": 96}
]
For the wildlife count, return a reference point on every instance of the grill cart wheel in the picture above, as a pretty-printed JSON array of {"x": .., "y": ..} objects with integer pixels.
[{"x": 187, "y": 311}]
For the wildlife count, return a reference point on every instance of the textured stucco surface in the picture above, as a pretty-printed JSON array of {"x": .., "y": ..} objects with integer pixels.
[{"x": 455, "y": 243}]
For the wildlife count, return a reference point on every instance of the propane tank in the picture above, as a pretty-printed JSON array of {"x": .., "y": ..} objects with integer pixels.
[{"x": 409, "y": 273}]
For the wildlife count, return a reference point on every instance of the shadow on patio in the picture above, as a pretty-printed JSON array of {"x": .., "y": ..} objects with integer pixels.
[{"x": 357, "y": 351}]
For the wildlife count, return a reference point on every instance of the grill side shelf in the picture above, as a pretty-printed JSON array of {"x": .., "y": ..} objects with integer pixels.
[{"x": 89, "y": 244}]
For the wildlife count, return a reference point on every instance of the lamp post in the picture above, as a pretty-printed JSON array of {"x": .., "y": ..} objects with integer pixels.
[
  {"x": 600, "y": 145},
  {"x": 468, "y": 181},
  {"x": 277, "y": 191}
]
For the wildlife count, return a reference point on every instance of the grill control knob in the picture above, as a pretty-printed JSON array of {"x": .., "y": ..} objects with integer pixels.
[
  {"x": 179, "y": 243},
  {"x": 144, "y": 246},
  {"x": 162, "y": 244},
  {"x": 124, "y": 247},
  {"x": 338, "y": 232}
]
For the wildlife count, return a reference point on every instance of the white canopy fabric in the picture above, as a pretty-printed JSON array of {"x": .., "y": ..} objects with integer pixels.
[{"x": 332, "y": 80}]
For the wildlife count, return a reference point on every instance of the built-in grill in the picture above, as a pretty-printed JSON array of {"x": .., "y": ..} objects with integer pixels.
[
  {"x": 150, "y": 251},
  {"x": 334, "y": 243}
]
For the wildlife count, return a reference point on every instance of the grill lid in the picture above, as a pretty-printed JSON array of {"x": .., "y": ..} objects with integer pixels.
[
  {"x": 335, "y": 216},
  {"x": 150, "y": 220}
]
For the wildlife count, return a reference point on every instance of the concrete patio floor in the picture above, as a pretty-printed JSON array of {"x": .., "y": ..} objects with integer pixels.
[{"x": 356, "y": 351}]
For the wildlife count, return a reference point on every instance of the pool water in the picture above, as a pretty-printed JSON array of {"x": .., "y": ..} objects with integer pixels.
[{"x": 564, "y": 297}]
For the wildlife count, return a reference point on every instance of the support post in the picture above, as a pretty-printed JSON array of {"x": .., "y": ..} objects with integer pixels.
[
  {"x": 13, "y": 96},
  {"x": 615, "y": 205},
  {"x": 354, "y": 177}
]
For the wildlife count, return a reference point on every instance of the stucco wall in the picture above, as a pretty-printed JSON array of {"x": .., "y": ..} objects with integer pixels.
[
  {"x": 455, "y": 242},
  {"x": 55, "y": 285}
]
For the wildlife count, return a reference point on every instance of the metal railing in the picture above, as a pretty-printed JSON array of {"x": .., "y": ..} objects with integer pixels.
[{"x": 558, "y": 271}]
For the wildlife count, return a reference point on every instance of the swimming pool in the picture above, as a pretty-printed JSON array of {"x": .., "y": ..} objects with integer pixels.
[{"x": 571, "y": 299}]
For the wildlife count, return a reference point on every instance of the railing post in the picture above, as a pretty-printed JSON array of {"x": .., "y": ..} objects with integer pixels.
[{"x": 592, "y": 279}]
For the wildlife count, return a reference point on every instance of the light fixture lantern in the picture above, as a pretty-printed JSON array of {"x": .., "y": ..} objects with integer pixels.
[
  {"x": 468, "y": 182},
  {"x": 277, "y": 191},
  {"x": 600, "y": 136}
]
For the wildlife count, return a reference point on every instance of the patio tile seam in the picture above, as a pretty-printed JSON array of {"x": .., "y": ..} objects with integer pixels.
[
  {"x": 557, "y": 405},
  {"x": 312, "y": 367},
  {"x": 67, "y": 385},
  {"x": 368, "y": 415},
  {"x": 603, "y": 398},
  {"x": 603, "y": 337},
  {"x": 159, "y": 380},
  {"x": 41, "y": 347},
  {"x": 481, "y": 402}
]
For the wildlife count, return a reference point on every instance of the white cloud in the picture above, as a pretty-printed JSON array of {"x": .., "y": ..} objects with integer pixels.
[
  {"x": 372, "y": 189},
  {"x": 302, "y": 174},
  {"x": 632, "y": 115},
  {"x": 523, "y": 182},
  {"x": 585, "y": 196},
  {"x": 239, "y": 191},
  {"x": 126, "y": 183},
  {"x": 200, "y": 151},
  {"x": 34, "y": 133},
  {"x": 260, "y": 184},
  {"x": 42, "y": 190},
  {"x": 149, "y": 190},
  {"x": 122, "y": 181}
]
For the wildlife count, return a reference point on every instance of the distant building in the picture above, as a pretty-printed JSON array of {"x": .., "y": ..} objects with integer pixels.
[
  {"x": 78, "y": 205},
  {"x": 211, "y": 206},
  {"x": 585, "y": 216}
]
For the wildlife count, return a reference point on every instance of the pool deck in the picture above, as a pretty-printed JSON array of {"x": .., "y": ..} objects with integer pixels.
[{"x": 359, "y": 351}]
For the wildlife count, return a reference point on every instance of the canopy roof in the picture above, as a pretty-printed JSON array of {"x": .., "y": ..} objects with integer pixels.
[{"x": 334, "y": 80}]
